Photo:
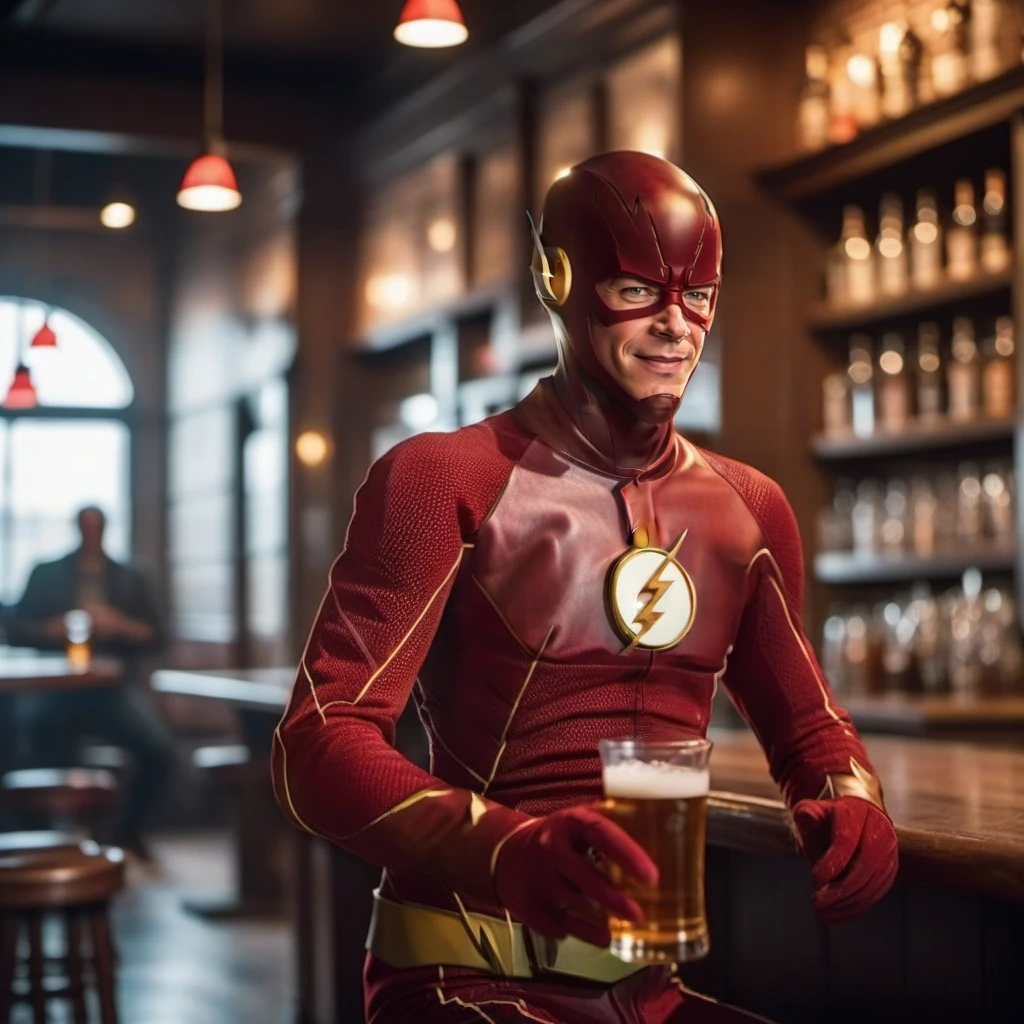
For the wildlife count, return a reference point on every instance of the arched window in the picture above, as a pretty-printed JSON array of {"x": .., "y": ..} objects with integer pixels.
[{"x": 72, "y": 450}]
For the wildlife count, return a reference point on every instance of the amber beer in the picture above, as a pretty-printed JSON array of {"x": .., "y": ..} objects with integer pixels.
[{"x": 658, "y": 793}]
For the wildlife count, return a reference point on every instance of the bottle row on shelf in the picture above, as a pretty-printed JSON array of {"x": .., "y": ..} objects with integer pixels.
[
  {"x": 932, "y": 251},
  {"x": 970, "y": 511},
  {"x": 955, "y": 44},
  {"x": 885, "y": 388},
  {"x": 965, "y": 642}
]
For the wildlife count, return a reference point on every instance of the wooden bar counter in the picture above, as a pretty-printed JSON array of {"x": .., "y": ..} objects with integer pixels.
[{"x": 947, "y": 944}]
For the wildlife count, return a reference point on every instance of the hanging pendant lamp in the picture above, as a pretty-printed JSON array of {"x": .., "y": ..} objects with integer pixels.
[
  {"x": 22, "y": 393},
  {"x": 209, "y": 184},
  {"x": 431, "y": 24},
  {"x": 44, "y": 337}
]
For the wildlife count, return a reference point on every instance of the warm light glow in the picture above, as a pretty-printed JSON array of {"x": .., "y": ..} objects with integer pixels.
[
  {"x": 890, "y": 247},
  {"x": 1004, "y": 344},
  {"x": 392, "y": 291},
  {"x": 441, "y": 235},
  {"x": 209, "y": 186},
  {"x": 418, "y": 412},
  {"x": 925, "y": 232},
  {"x": 861, "y": 69},
  {"x": 311, "y": 448},
  {"x": 117, "y": 216},
  {"x": 431, "y": 24},
  {"x": 993, "y": 202},
  {"x": 940, "y": 19},
  {"x": 928, "y": 361},
  {"x": 964, "y": 215},
  {"x": 889, "y": 37},
  {"x": 858, "y": 248},
  {"x": 891, "y": 362},
  {"x": 860, "y": 372},
  {"x": 562, "y": 172}
]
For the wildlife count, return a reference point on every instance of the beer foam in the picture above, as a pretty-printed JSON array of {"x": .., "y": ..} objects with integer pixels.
[{"x": 655, "y": 780}]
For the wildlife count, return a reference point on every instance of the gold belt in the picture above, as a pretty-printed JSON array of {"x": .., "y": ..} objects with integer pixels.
[{"x": 414, "y": 935}]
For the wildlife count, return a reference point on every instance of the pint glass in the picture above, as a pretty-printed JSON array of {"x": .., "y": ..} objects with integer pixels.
[{"x": 658, "y": 793}]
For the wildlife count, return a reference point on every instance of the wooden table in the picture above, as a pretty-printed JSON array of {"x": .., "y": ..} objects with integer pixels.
[
  {"x": 938, "y": 715},
  {"x": 258, "y": 698},
  {"x": 23, "y": 669}
]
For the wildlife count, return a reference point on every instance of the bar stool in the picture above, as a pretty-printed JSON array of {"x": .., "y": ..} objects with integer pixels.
[
  {"x": 61, "y": 798},
  {"x": 76, "y": 886}
]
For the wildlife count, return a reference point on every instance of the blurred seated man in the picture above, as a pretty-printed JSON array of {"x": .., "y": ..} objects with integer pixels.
[{"x": 125, "y": 624}]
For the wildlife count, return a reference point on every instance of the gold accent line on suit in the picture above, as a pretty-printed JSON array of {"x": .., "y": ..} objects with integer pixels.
[
  {"x": 796, "y": 634},
  {"x": 515, "y": 708},
  {"x": 409, "y": 801},
  {"x": 501, "y": 615},
  {"x": 401, "y": 643}
]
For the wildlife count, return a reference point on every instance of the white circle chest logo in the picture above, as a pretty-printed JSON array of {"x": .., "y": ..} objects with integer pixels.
[{"x": 651, "y": 598}]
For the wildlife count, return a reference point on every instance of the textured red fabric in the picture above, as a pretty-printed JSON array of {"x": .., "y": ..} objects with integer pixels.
[
  {"x": 851, "y": 846},
  {"x": 546, "y": 879}
]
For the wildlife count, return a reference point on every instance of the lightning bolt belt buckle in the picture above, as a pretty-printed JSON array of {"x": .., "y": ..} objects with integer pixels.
[{"x": 651, "y": 598}]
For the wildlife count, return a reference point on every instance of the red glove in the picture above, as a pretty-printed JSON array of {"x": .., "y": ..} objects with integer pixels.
[
  {"x": 851, "y": 846},
  {"x": 545, "y": 875}
]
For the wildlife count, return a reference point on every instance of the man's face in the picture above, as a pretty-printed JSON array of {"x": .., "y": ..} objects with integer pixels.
[
  {"x": 652, "y": 355},
  {"x": 91, "y": 524}
]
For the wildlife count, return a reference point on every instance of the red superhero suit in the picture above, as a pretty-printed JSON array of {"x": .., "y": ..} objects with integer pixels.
[{"x": 476, "y": 574}]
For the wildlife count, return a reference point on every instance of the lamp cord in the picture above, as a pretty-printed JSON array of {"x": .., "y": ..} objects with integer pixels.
[{"x": 213, "y": 85}]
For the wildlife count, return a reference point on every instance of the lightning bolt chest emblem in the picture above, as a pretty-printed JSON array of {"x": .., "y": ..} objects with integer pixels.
[{"x": 651, "y": 598}]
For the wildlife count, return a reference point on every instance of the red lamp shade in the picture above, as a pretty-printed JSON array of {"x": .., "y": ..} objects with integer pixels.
[
  {"x": 209, "y": 185},
  {"x": 22, "y": 393},
  {"x": 431, "y": 24},
  {"x": 45, "y": 338}
]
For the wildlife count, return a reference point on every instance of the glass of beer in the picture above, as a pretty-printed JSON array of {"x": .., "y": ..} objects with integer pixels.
[
  {"x": 657, "y": 791},
  {"x": 78, "y": 629}
]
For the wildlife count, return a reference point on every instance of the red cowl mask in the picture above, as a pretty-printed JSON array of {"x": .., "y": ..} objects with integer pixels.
[{"x": 621, "y": 213}]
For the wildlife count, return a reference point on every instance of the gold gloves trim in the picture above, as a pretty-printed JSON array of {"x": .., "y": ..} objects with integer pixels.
[{"x": 860, "y": 783}]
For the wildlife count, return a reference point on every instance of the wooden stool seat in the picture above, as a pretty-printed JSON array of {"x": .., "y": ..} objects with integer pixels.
[
  {"x": 19, "y": 842},
  {"x": 74, "y": 884},
  {"x": 60, "y": 876}
]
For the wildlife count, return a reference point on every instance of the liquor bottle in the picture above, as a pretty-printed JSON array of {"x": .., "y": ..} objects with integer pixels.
[
  {"x": 997, "y": 383},
  {"x": 928, "y": 639},
  {"x": 900, "y": 52},
  {"x": 835, "y": 393},
  {"x": 995, "y": 246},
  {"x": 926, "y": 242},
  {"x": 862, "y": 395},
  {"x": 890, "y": 252},
  {"x": 997, "y": 500},
  {"x": 867, "y": 516},
  {"x": 842, "y": 125},
  {"x": 950, "y": 58},
  {"x": 988, "y": 29},
  {"x": 930, "y": 404},
  {"x": 962, "y": 236},
  {"x": 923, "y": 508},
  {"x": 970, "y": 512},
  {"x": 893, "y": 388},
  {"x": 813, "y": 112},
  {"x": 860, "y": 266},
  {"x": 893, "y": 532},
  {"x": 866, "y": 100},
  {"x": 963, "y": 371}
]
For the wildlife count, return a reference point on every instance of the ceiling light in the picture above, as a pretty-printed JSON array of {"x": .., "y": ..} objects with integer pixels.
[
  {"x": 311, "y": 448},
  {"x": 209, "y": 185},
  {"x": 22, "y": 393},
  {"x": 44, "y": 337},
  {"x": 431, "y": 24},
  {"x": 117, "y": 215}
]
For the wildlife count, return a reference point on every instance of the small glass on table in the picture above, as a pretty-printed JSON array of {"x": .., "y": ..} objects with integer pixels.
[{"x": 657, "y": 791}]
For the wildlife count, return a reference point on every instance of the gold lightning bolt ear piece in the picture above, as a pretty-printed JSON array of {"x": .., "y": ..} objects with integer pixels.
[
  {"x": 552, "y": 273},
  {"x": 641, "y": 538}
]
